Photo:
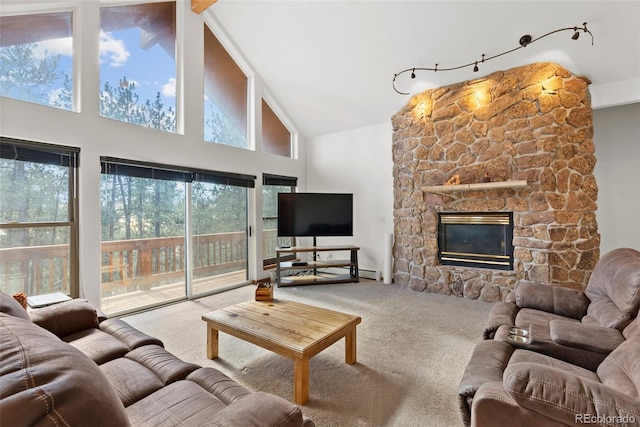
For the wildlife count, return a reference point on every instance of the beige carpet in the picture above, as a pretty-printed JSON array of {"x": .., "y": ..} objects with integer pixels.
[{"x": 412, "y": 350}]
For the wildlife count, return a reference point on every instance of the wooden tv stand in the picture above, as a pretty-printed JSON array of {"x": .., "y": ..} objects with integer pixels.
[{"x": 312, "y": 276}]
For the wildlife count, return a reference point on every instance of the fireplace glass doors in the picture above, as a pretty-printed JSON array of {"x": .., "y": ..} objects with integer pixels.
[{"x": 482, "y": 240}]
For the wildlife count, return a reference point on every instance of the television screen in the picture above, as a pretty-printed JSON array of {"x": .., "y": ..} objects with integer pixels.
[{"x": 315, "y": 214}]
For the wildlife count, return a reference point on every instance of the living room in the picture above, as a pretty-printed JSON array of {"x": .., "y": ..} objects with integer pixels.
[{"x": 351, "y": 157}]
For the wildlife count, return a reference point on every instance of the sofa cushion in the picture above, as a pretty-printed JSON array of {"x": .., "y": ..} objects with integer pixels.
[
  {"x": 218, "y": 384},
  {"x": 614, "y": 289},
  {"x": 173, "y": 405},
  {"x": 67, "y": 317},
  {"x": 10, "y": 306},
  {"x": 588, "y": 337},
  {"x": 163, "y": 364},
  {"x": 126, "y": 333},
  {"x": 97, "y": 345},
  {"x": 131, "y": 380},
  {"x": 562, "y": 301},
  {"x": 46, "y": 382},
  {"x": 621, "y": 369}
]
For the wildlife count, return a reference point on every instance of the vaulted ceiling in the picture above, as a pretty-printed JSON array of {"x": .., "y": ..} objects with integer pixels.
[{"x": 330, "y": 64}]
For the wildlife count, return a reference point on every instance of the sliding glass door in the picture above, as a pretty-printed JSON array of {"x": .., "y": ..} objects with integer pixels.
[{"x": 169, "y": 233}]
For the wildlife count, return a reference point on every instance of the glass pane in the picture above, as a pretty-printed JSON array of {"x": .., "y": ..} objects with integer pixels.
[
  {"x": 143, "y": 223},
  {"x": 36, "y": 58},
  {"x": 225, "y": 96},
  {"x": 276, "y": 138},
  {"x": 219, "y": 236},
  {"x": 137, "y": 64},
  {"x": 33, "y": 192},
  {"x": 35, "y": 260},
  {"x": 270, "y": 239}
]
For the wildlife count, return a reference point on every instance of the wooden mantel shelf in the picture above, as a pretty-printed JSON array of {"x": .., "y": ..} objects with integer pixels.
[{"x": 475, "y": 186}]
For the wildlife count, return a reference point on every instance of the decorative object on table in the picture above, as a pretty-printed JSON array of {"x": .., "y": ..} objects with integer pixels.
[
  {"x": 21, "y": 297},
  {"x": 264, "y": 291},
  {"x": 454, "y": 180},
  {"x": 487, "y": 177}
]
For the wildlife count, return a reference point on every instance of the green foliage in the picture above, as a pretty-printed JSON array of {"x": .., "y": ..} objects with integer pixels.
[{"x": 27, "y": 76}]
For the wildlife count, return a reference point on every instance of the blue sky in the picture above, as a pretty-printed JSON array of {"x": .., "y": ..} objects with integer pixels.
[{"x": 152, "y": 70}]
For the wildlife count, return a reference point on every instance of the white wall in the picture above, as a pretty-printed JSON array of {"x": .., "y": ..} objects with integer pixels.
[
  {"x": 617, "y": 141},
  {"x": 97, "y": 137},
  {"x": 357, "y": 161}
]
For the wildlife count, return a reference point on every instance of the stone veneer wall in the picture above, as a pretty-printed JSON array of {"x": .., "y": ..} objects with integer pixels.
[{"x": 530, "y": 123}]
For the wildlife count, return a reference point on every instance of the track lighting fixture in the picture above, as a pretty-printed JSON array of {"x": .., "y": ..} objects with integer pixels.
[{"x": 524, "y": 41}]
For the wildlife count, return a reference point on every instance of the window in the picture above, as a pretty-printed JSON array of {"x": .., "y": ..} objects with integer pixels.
[
  {"x": 226, "y": 95},
  {"x": 148, "y": 255},
  {"x": 38, "y": 228},
  {"x": 276, "y": 138},
  {"x": 271, "y": 186},
  {"x": 36, "y": 58},
  {"x": 137, "y": 64}
]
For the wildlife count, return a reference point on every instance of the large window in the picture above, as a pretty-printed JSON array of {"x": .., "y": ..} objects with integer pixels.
[
  {"x": 276, "y": 138},
  {"x": 36, "y": 58},
  {"x": 149, "y": 256},
  {"x": 38, "y": 227},
  {"x": 271, "y": 186},
  {"x": 137, "y": 64},
  {"x": 226, "y": 96}
]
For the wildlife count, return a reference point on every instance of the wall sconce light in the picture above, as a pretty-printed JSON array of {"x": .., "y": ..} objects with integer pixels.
[{"x": 523, "y": 42}]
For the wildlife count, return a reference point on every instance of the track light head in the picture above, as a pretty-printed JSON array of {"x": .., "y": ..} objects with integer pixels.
[
  {"x": 413, "y": 73},
  {"x": 475, "y": 67},
  {"x": 575, "y": 35},
  {"x": 525, "y": 40}
]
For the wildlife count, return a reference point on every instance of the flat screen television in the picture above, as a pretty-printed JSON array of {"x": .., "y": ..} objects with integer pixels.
[{"x": 315, "y": 214}]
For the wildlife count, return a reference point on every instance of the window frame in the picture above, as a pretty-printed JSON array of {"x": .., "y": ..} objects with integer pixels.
[{"x": 44, "y": 153}]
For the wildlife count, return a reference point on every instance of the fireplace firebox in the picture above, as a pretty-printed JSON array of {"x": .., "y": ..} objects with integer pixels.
[{"x": 482, "y": 240}]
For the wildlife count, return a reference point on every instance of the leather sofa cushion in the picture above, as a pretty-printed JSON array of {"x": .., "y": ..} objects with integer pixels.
[
  {"x": 614, "y": 288},
  {"x": 589, "y": 337},
  {"x": 621, "y": 369},
  {"x": 126, "y": 333},
  {"x": 186, "y": 400},
  {"x": 46, "y": 382},
  {"x": 218, "y": 384},
  {"x": 538, "y": 321},
  {"x": 66, "y": 317},
  {"x": 131, "y": 380},
  {"x": 526, "y": 356},
  {"x": 167, "y": 367},
  {"x": 97, "y": 345},
  {"x": 10, "y": 306}
]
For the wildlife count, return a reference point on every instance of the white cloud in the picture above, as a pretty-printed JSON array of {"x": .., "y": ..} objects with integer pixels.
[
  {"x": 114, "y": 49},
  {"x": 63, "y": 46},
  {"x": 169, "y": 88}
]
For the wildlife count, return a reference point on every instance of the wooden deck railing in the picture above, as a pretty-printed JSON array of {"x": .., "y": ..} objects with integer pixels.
[{"x": 128, "y": 265}]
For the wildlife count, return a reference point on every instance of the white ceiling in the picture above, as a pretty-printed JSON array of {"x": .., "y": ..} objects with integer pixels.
[{"x": 330, "y": 64}]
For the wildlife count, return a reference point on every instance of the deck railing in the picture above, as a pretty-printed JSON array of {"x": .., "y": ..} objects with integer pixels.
[{"x": 128, "y": 265}]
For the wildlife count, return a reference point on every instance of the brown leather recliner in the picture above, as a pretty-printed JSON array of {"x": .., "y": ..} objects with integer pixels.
[
  {"x": 571, "y": 325},
  {"x": 537, "y": 390}
]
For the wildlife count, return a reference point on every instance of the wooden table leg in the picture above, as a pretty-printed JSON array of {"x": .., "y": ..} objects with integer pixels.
[
  {"x": 301, "y": 380},
  {"x": 212, "y": 342},
  {"x": 350, "y": 347}
]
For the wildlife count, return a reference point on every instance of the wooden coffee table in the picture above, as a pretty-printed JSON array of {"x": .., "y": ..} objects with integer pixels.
[{"x": 290, "y": 329}]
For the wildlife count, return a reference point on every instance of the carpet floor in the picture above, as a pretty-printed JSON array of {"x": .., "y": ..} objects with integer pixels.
[{"x": 412, "y": 349}]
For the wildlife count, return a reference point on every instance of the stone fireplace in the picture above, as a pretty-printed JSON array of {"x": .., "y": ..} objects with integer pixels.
[{"x": 529, "y": 132}]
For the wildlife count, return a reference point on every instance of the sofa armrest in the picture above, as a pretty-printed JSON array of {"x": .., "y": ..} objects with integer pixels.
[
  {"x": 258, "y": 409},
  {"x": 588, "y": 337},
  {"x": 502, "y": 313},
  {"x": 559, "y": 300},
  {"x": 66, "y": 318},
  {"x": 566, "y": 397}
]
